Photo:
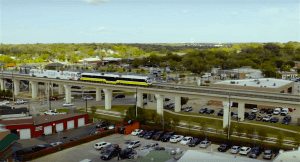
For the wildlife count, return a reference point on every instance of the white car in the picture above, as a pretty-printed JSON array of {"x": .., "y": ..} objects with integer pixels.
[
  {"x": 67, "y": 104},
  {"x": 5, "y": 102},
  {"x": 72, "y": 98},
  {"x": 235, "y": 149},
  {"x": 136, "y": 132},
  {"x": 205, "y": 144},
  {"x": 110, "y": 127},
  {"x": 51, "y": 112},
  {"x": 134, "y": 144},
  {"x": 55, "y": 144},
  {"x": 245, "y": 150},
  {"x": 176, "y": 138},
  {"x": 284, "y": 111},
  {"x": 186, "y": 140},
  {"x": 254, "y": 110},
  {"x": 101, "y": 145},
  {"x": 277, "y": 111},
  {"x": 267, "y": 118}
]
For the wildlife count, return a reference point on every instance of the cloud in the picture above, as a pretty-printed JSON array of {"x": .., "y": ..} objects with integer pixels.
[
  {"x": 95, "y": 1},
  {"x": 185, "y": 11},
  {"x": 273, "y": 10},
  {"x": 234, "y": 14}
]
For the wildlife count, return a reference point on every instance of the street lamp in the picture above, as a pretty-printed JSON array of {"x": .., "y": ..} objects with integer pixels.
[{"x": 136, "y": 95}]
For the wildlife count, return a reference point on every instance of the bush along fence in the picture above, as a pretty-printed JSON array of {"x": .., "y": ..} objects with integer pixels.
[
  {"x": 66, "y": 145},
  {"x": 222, "y": 139}
]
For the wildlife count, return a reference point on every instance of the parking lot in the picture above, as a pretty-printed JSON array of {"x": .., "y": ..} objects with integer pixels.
[{"x": 87, "y": 150}]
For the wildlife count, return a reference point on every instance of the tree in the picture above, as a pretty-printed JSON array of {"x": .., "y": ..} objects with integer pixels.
[
  {"x": 291, "y": 63},
  {"x": 141, "y": 117},
  {"x": 184, "y": 100},
  {"x": 8, "y": 93},
  {"x": 285, "y": 67},
  {"x": 279, "y": 63},
  {"x": 120, "y": 70}
]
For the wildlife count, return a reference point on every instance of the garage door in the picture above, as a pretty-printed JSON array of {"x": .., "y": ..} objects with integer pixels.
[
  {"x": 70, "y": 124},
  {"x": 25, "y": 133},
  {"x": 81, "y": 122},
  {"x": 48, "y": 130},
  {"x": 59, "y": 127}
]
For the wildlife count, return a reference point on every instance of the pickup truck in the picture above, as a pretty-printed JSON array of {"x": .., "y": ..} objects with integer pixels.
[
  {"x": 51, "y": 112},
  {"x": 19, "y": 102}
]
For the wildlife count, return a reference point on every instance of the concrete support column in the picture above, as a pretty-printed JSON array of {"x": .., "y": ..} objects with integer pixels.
[
  {"x": 108, "y": 98},
  {"x": 68, "y": 93},
  {"x": 241, "y": 110},
  {"x": 225, "y": 113},
  {"x": 34, "y": 89},
  {"x": 177, "y": 103},
  {"x": 139, "y": 96},
  {"x": 2, "y": 84},
  {"x": 160, "y": 104},
  {"x": 98, "y": 94},
  {"x": 52, "y": 87},
  {"x": 60, "y": 89},
  {"x": 16, "y": 87}
]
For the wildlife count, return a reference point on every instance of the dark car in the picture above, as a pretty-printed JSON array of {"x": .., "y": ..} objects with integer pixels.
[
  {"x": 246, "y": 115},
  {"x": 110, "y": 153},
  {"x": 74, "y": 139},
  {"x": 109, "y": 146},
  {"x": 255, "y": 152},
  {"x": 142, "y": 134},
  {"x": 158, "y": 135},
  {"x": 120, "y": 96},
  {"x": 101, "y": 124},
  {"x": 220, "y": 113},
  {"x": 94, "y": 132},
  {"x": 270, "y": 111},
  {"x": 159, "y": 148},
  {"x": 40, "y": 147},
  {"x": 167, "y": 99},
  {"x": 223, "y": 148},
  {"x": 149, "y": 134},
  {"x": 286, "y": 120},
  {"x": 262, "y": 111},
  {"x": 165, "y": 138},
  {"x": 194, "y": 142},
  {"x": 127, "y": 153},
  {"x": 171, "y": 133},
  {"x": 18, "y": 155},
  {"x": 259, "y": 118},
  {"x": 171, "y": 105},
  {"x": 210, "y": 111},
  {"x": 203, "y": 110},
  {"x": 274, "y": 120},
  {"x": 251, "y": 116}
]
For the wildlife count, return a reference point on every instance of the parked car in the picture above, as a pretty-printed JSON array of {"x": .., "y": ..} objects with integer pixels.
[
  {"x": 55, "y": 144},
  {"x": 267, "y": 118},
  {"x": 251, "y": 116},
  {"x": 235, "y": 115},
  {"x": 88, "y": 97},
  {"x": 205, "y": 144},
  {"x": 100, "y": 145},
  {"x": 158, "y": 135},
  {"x": 186, "y": 140},
  {"x": 94, "y": 132},
  {"x": 109, "y": 146},
  {"x": 262, "y": 111},
  {"x": 291, "y": 110},
  {"x": 74, "y": 139},
  {"x": 110, "y": 153},
  {"x": 194, "y": 142},
  {"x": 245, "y": 150},
  {"x": 167, "y": 99},
  {"x": 268, "y": 154},
  {"x": 72, "y": 98},
  {"x": 220, "y": 113},
  {"x": 142, "y": 133},
  {"x": 223, "y": 148},
  {"x": 274, "y": 120},
  {"x": 103, "y": 97},
  {"x": 149, "y": 134},
  {"x": 19, "y": 102},
  {"x": 284, "y": 112},
  {"x": 53, "y": 98},
  {"x": 149, "y": 146},
  {"x": 159, "y": 149},
  {"x": 176, "y": 138},
  {"x": 254, "y": 110},
  {"x": 134, "y": 144},
  {"x": 189, "y": 108},
  {"x": 270, "y": 111},
  {"x": 277, "y": 111},
  {"x": 203, "y": 110},
  {"x": 136, "y": 132},
  {"x": 101, "y": 124},
  {"x": 127, "y": 153},
  {"x": 111, "y": 126},
  {"x": 40, "y": 147},
  {"x": 167, "y": 136},
  {"x": 67, "y": 104},
  {"x": 120, "y": 96},
  {"x": 286, "y": 120},
  {"x": 5, "y": 102},
  {"x": 171, "y": 105},
  {"x": 235, "y": 149},
  {"x": 259, "y": 118},
  {"x": 210, "y": 111},
  {"x": 246, "y": 115},
  {"x": 255, "y": 152},
  {"x": 51, "y": 112}
]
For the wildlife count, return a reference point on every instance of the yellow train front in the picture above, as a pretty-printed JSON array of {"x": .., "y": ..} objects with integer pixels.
[{"x": 116, "y": 79}]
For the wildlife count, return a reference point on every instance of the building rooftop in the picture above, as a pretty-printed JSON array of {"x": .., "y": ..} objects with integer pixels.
[
  {"x": 264, "y": 82},
  {"x": 8, "y": 140},
  {"x": 51, "y": 118},
  {"x": 17, "y": 122}
]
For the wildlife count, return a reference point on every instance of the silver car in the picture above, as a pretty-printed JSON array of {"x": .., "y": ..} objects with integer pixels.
[
  {"x": 267, "y": 154},
  {"x": 150, "y": 146},
  {"x": 205, "y": 144},
  {"x": 235, "y": 149},
  {"x": 134, "y": 144}
]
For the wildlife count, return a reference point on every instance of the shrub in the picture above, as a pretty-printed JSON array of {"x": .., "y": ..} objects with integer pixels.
[{"x": 207, "y": 81}]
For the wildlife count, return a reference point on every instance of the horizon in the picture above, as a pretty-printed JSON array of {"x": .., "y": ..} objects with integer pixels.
[{"x": 149, "y": 21}]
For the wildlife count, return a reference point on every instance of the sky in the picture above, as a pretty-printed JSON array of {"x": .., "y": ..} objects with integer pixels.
[{"x": 149, "y": 21}]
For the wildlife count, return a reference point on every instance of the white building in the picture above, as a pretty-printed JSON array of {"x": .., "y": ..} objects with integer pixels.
[{"x": 288, "y": 156}]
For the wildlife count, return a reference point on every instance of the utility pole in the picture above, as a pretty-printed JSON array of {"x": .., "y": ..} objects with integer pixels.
[
  {"x": 136, "y": 95},
  {"x": 86, "y": 104}
]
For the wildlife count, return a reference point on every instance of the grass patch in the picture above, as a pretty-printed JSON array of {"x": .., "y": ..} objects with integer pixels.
[
  {"x": 279, "y": 125},
  {"x": 118, "y": 108}
]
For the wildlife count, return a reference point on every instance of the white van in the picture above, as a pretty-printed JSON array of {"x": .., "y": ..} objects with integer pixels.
[
  {"x": 284, "y": 111},
  {"x": 277, "y": 111}
]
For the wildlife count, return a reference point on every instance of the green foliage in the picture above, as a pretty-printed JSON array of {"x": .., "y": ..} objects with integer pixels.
[
  {"x": 8, "y": 93},
  {"x": 279, "y": 140},
  {"x": 141, "y": 115},
  {"x": 175, "y": 122},
  {"x": 120, "y": 70},
  {"x": 181, "y": 75},
  {"x": 207, "y": 81},
  {"x": 262, "y": 134},
  {"x": 239, "y": 129},
  {"x": 285, "y": 67},
  {"x": 136, "y": 62},
  {"x": 164, "y": 74},
  {"x": 184, "y": 100}
]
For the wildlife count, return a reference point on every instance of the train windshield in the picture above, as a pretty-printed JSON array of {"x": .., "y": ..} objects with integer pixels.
[{"x": 149, "y": 80}]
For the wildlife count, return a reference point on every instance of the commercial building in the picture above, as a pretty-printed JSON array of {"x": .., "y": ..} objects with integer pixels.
[
  {"x": 245, "y": 72},
  {"x": 6, "y": 140},
  {"x": 288, "y": 156},
  {"x": 46, "y": 124}
]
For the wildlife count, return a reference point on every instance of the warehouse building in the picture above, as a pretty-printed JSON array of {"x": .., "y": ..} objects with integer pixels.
[{"x": 46, "y": 124}]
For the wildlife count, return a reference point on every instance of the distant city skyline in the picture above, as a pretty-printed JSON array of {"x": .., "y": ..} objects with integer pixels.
[{"x": 149, "y": 21}]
